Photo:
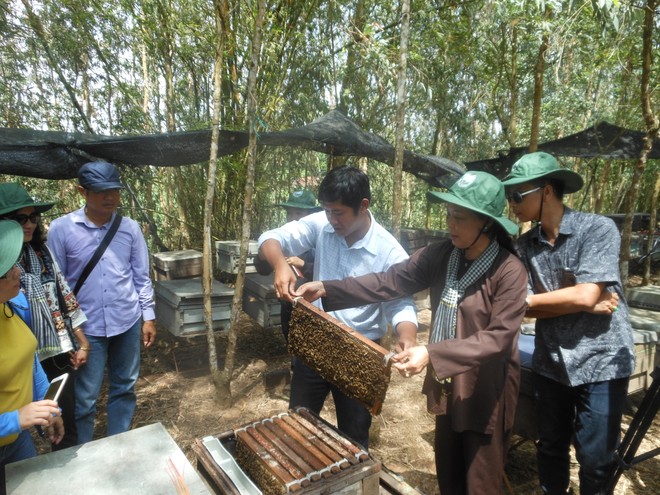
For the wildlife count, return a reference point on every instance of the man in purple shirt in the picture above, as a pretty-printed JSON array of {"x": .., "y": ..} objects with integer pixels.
[{"x": 117, "y": 296}]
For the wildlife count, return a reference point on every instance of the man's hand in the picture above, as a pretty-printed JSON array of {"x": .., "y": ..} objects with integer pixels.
[
  {"x": 284, "y": 281},
  {"x": 607, "y": 303},
  {"x": 56, "y": 430},
  {"x": 407, "y": 332},
  {"x": 295, "y": 261},
  {"x": 311, "y": 291},
  {"x": 148, "y": 332}
]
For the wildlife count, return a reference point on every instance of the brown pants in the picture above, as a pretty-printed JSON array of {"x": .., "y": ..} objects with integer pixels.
[{"x": 469, "y": 462}]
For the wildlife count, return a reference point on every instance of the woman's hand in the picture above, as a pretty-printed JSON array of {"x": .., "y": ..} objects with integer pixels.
[
  {"x": 311, "y": 291},
  {"x": 79, "y": 357},
  {"x": 39, "y": 413},
  {"x": 411, "y": 361}
]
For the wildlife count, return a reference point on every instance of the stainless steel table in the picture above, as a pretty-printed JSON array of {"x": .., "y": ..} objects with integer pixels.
[{"x": 140, "y": 461}]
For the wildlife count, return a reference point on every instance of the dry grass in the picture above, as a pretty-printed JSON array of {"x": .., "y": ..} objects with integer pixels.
[{"x": 176, "y": 390}]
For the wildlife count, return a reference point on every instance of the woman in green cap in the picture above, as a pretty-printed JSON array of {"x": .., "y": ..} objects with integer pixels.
[
  {"x": 22, "y": 380},
  {"x": 478, "y": 287},
  {"x": 60, "y": 349}
]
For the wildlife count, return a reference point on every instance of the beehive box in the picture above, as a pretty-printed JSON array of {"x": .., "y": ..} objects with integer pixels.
[
  {"x": 171, "y": 265},
  {"x": 644, "y": 308},
  {"x": 646, "y": 342},
  {"x": 227, "y": 254},
  {"x": 259, "y": 300},
  {"x": 645, "y": 297},
  {"x": 525, "y": 421},
  {"x": 359, "y": 367},
  {"x": 180, "y": 306},
  {"x": 292, "y": 452},
  {"x": 414, "y": 239}
]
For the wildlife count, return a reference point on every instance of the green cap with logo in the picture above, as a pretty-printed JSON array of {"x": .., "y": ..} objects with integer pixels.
[
  {"x": 14, "y": 197},
  {"x": 302, "y": 198},
  {"x": 480, "y": 192},
  {"x": 11, "y": 244},
  {"x": 541, "y": 165}
]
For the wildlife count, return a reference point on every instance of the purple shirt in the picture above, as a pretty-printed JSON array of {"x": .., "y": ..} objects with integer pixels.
[{"x": 118, "y": 291}]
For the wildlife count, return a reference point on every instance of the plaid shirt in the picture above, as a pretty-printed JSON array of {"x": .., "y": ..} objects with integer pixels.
[{"x": 579, "y": 348}]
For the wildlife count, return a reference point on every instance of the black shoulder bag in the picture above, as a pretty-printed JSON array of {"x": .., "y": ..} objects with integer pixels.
[{"x": 98, "y": 253}]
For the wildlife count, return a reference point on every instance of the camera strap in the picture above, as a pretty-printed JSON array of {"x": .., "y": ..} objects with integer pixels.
[{"x": 98, "y": 253}]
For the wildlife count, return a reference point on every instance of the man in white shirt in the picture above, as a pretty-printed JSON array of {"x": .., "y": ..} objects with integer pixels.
[{"x": 348, "y": 242}]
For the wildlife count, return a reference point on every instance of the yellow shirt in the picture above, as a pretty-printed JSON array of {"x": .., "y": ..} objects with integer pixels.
[{"x": 17, "y": 348}]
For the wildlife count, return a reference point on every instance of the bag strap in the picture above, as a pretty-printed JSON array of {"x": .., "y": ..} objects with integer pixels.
[{"x": 98, "y": 253}]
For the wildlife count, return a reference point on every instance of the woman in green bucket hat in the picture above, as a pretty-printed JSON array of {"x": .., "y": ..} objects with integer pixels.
[
  {"x": 22, "y": 380},
  {"x": 478, "y": 287},
  {"x": 61, "y": 348}
]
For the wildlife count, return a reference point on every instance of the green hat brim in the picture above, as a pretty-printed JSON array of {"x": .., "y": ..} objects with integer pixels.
[
  {"x": 38, "y": 207},
  {"x": 298, "y": 205},
  {"x": 11, "y": 244},
  {"x": 447, "y": 197},
  {"x": 572, "y": 181}
]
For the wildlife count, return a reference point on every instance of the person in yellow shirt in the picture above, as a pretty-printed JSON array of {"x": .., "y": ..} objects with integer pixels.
[{"x": 23, "y": 382}]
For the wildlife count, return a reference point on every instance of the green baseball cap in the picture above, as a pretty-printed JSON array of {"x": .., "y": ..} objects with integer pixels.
[
  {"x": 14, "y": 197},
  {"x": 11, "y": 244},
  {"x": 480, "y": 192},
  {"x": 302, "y": 198},
  {"x": 541, "y": 165}
]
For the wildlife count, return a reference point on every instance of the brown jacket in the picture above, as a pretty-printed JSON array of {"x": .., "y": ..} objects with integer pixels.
[{"x": 483, "y": 359}]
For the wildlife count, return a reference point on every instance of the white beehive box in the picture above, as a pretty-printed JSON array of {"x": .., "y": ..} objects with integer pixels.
[
  {"x": 171, "y": 265},
  {"x": 259, "y": 300},
  {"x": 227, "y": 253},
  {"x": 180, "y": 306}
]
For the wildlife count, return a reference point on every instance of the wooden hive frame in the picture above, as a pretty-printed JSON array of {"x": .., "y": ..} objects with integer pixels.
[{"x": 359, "y": 367}]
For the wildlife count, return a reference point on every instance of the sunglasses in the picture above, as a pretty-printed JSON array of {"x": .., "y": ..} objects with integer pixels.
[
  {"x": 23, "y": 218},
  {"x": 518, "y": 197}
]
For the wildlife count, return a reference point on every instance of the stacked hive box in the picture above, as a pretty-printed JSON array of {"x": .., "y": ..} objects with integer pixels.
[
  {"x": 644, "y": 307},
  {"x": 259, "y": 300},
  {"x": 171, "y": 265},
  {"x": 180, "y": 306},
  {"x": 228, "y": 253}
]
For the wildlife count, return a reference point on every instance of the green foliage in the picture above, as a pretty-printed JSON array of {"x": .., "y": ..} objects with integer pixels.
[{"x": 146, "y": 66}]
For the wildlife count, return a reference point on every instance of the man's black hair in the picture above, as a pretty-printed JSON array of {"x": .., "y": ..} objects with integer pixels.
[
  {"x": 557, "y": 186},
  {"x": 347, "y": 185}
]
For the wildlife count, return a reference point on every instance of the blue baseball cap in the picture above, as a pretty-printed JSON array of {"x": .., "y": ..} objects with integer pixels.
[{"x": 99, "y": 176}]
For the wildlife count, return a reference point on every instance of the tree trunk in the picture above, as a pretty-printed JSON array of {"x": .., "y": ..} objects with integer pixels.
[
  {"x": 400, "y": 120},
  {"x": 513, "y": 87},
  {"x": 651, "y": 133},
  {"x": 223, "y": 380},
  {"x": 207, "y": 270},
  {"x": 538, "y": 94},
  {"x": 653, "y": 221}
]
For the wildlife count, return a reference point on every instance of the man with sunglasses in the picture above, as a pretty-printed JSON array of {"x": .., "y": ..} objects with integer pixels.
[
  {"x": 117, "y": 296},
  {"x": 584, "y": 353}
]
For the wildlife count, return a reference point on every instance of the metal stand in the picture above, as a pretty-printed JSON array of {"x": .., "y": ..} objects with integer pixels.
[{"x": 639, "y": 425}]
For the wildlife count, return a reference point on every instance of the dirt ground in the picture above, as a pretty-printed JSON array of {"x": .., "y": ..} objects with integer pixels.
[{"x": 175, "y": 389}]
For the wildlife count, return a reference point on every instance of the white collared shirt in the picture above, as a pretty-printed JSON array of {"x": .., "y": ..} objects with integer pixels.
[{"x": 335, "y": 260}]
